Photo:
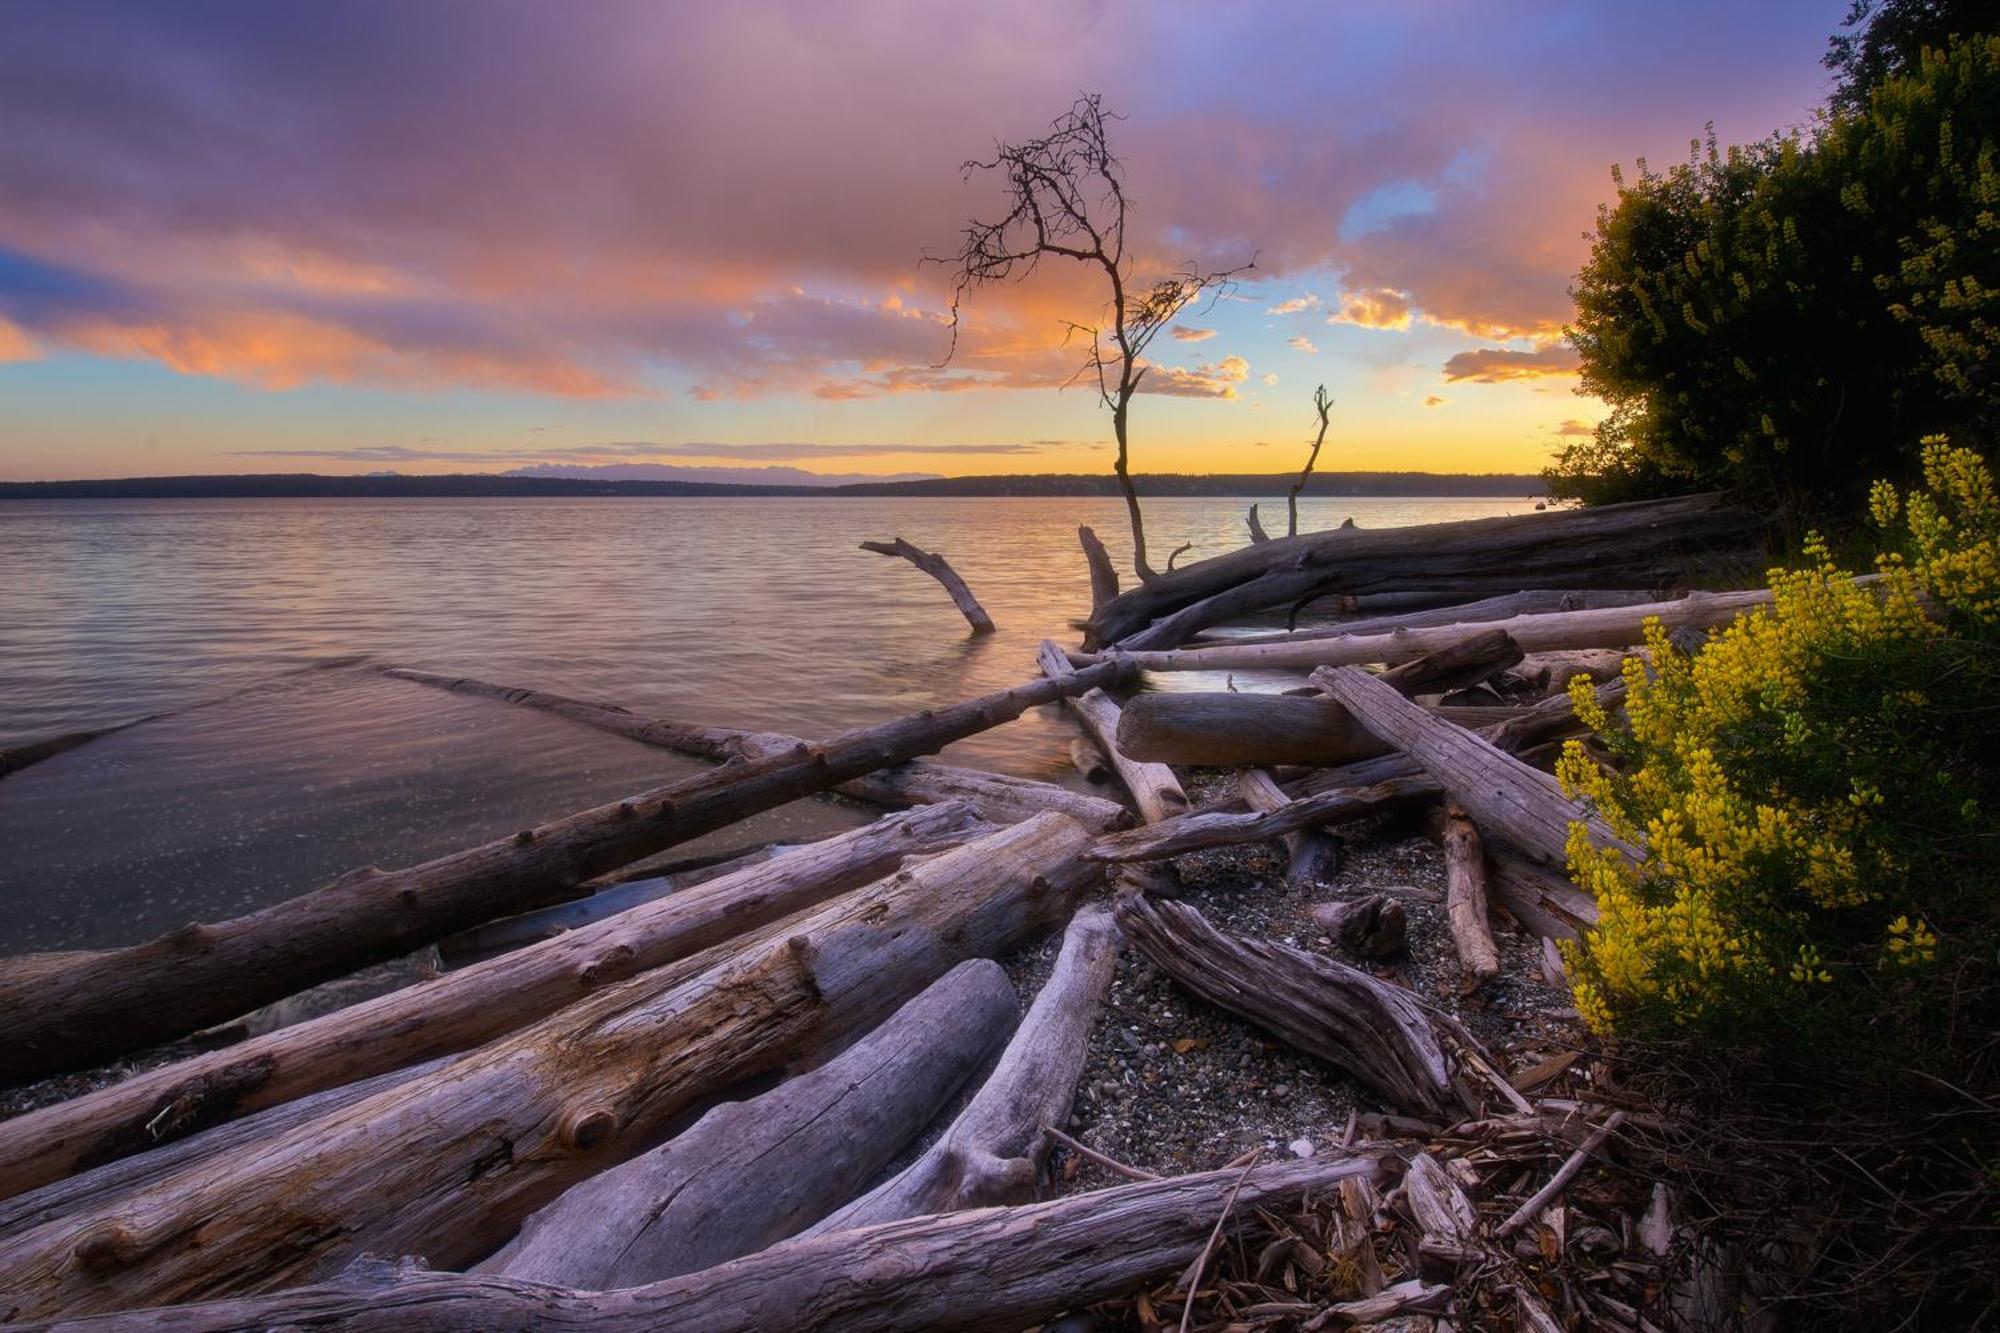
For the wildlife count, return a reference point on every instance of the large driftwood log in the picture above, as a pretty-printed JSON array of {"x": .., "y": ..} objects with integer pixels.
[
  {"x": 1002, "y": 799},
  {"x": 1375, "y": 1031},
  {"x": 1465, "y": 898},
  {"x": 1467, "y": 662},
  {"x": 750, "y": 1173},
  {"x": 1523, "y": 804},
  {"x": 457, "y": 1011},
  {"x": 1228, "y": 730},
  {"x": 940, "y": 569},
  {"x": 995, "y": 1150},
  {"x": 495, "y": 1134},
  {"x": 1611, "y": 627},
  {"x": 1541, "y": 898},
  {"x": 1447, "y": 612},
  {"x": 1103, "y": 574},
  {"x": 1155, "y": 789},
  {"x": 989, "y": 1268},
  {"x": 1312, "y": 856},
  {"x": 1373, "y": 925},
  {"x": 1649, "y": 544},
  {"x": 100, "y": 1004},
  {"x": 1211, "y": 828}
]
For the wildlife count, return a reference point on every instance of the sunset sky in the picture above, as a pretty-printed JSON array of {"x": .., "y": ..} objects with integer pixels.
[{"x": 469, "y": 235}]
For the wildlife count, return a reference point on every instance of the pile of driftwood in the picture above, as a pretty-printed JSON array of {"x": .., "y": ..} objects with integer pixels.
[{"x": 672, "y": 1097}]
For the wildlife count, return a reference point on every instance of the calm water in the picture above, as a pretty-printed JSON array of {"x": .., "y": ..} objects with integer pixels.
[{"x": 266, "y": 774}]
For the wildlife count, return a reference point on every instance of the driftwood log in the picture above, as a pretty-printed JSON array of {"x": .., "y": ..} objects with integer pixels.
[
  {"x": 1450, "y": 612},
  {"x": 1376, "y": 1031},
  {"x": 1647, "y": 544},
  {"x": 1257, "y": 533},
  {"x": 995, "y": 1150},
  {"x": 997, "y": 1268},
  {"x": 1214, "y": 828},
  {"x": 1312, "y": 856},
  {"x": 1087, "y": 758},
  {"x": 89, "y": 1007},
  {"x": 1611, "y": 627},
  {"x": 1155, "y": 789},
  {"x": 1373, "y": 925},
  {"x": 1467, "y": 662},
  {"x": 1541, "y": 898},
  {"x": 940, "y": 569},
  {"x": 1230, "y": 730},
  {"x": 996, "y": 796},
  {"x": 1465, "y": 898},
  {"x": 497, "y": 1133},
  {"x": 457, "y": 1011},
  {"x": 750, "y": 1173},
  {"x": 1103, "y": 574},
  {"x": 1523, "y": 804}
]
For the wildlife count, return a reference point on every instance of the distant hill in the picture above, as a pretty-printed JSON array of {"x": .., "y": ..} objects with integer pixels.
[{"x": 476, "y": 484}]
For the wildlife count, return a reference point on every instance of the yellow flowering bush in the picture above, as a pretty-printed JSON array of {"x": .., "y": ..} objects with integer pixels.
[{"x": 1812, "y": 790}]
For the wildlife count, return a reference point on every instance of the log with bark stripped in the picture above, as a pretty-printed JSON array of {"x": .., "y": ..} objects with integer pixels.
[
  {"x": 1103, "y": 574},
  {"x": 1155, "y": 789},
  {"x": 1312, "y": 856},
  {"x": 1230, "y": 730},
  {"x": 1376, "y": 1031},
  {"x": 1467, "y": 662},
  {"x": 996, "y": 796},
  {"x": 1465, "y": 898},
  {"x": 1211, "y": 828},
  {"x": 988, "y": 1268},
  {"x": 935, "y": 565},
  {"x": 104, "y": 1003},
  {"x": 457, "y": 1011},
  {"x": 1650, "y": 544},
  {"x": 995, "y": 1151},
  {"x": 495, "y": 1134},
  {"x": 1447, "y": 612},
  {"x": 750, "y": 1173}
]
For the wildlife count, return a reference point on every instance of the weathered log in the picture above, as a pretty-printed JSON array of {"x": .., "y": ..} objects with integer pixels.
[
  {"x": 1374, "y": 1030},
  {"x": 1647, "y": 544},
  {"x": 1467, "y": 662},
  {"x": 1611, "y": 627},
  {"x": 1541, "y": 898},
  {"x": 1523, "y": 804},
  {"x": 994, "y": 1152},
  {"x": 750, "y": 1173},
  {"x": 1210, "y": 828},
  {"x": 1087, "y": 757},
  {"x": 107, "y": 1002},
  {"x": 1229, "y": 730},
  {"x": 498, "y": 1132},
  {"x": 1373, "y": 925},
  {"x": 1441, "y": 611},
  {"x": 996, "y": 796},
  {"x": 1154, "y": 788},
  {"x": 457, "y": 1011},
  {"x": 1465, "y": 898},
  {"x": 1412, "y": 1297},
  {"x": 1257, "y": 533},
  {"x": 1312, "y": 855},
  {"x": 940, "y": 569},
  {"x": 998, "y": 1268},
  {"x": 1103, "y": 574}
]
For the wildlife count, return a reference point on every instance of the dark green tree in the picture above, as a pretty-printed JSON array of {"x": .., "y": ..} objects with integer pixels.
[{"x": 1884, "y": 39}]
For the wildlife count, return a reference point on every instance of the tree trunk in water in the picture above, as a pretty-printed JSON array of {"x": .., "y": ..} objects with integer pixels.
[
  {"x": 457, "y": 1011},
  {"x": 105, "y": 1003},
  {"x": 1312, "y": 856},
  {"x": 989, "y": 1268},
  {"x": 1121, "y": 465},
  {"x": 1206, "y": 828},
  {"x": 1154, "y": 788},
  {"x": 940, "y": 569},
  {"x": 1103, "y": 574},
  {"x": 1375, "y": 1031},
  {"x": 1657, "y": 543},
  {"x": 751, "y": 1173},
  {"x": 1612, "y": 627},
  {"x": 1465, "y": 899},
  {"x": 1522, "y": 804},
  {"x": 498, "y": 1132},
  {"x": 1226, "y": 730},
  {"x": 1002, "y": 799},
  {"x": 995, "y": 1151},
  {"x": 1467, "y": 662},
  {"x": 1257, "y": 533}
]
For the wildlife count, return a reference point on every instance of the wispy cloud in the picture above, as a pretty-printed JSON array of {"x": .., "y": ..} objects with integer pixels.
[
  {"x": 1574, "y": 427},
  {"x": 1433, "y": 400},
  {"x": 1301, "y": 343},
  {"x": 1492, "y": 365},
  {"x": 1211, "y": 381},
  {"x": 1182, "y": 333},
  {"x": 1294, "y": 305}
]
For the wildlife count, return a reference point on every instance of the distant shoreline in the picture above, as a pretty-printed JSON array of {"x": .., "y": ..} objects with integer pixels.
[{"x": 1248, "y": 486}]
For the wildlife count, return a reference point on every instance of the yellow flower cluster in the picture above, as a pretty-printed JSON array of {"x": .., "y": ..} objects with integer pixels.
[{"x": 1679, "y": 931}]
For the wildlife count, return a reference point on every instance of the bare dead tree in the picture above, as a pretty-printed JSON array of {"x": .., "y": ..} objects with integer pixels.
[
  {"x": 1322, "y": 404},
  {"x": 1067, "y": 199}
]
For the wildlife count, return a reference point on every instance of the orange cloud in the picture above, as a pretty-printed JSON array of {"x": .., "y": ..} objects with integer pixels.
[
  {"x": 1576, "y": 427},
  {"x": 15, "y": 344},
  {"x": 1182, "y": 333},
  {"x": 1433, "y": 400},
  {"x": 1211, "y": 381},
  {"x": 1382, "y": 308},
  {"x": 1295, "y": 305},
  {"x": 1492, "y": 365}
]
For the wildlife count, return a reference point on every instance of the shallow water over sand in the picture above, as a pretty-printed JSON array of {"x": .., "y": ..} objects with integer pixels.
[{"x": 265, "y": 775}]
